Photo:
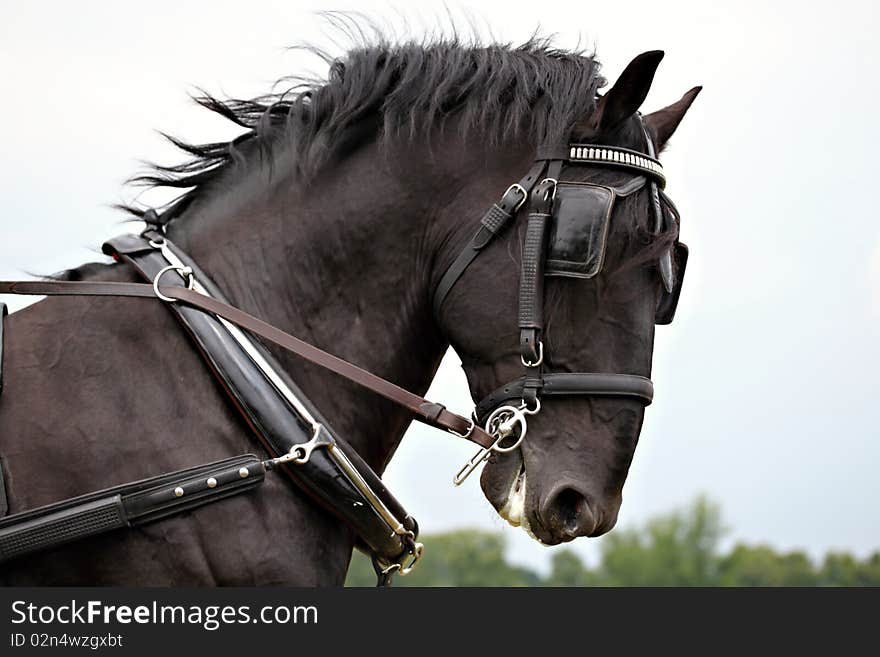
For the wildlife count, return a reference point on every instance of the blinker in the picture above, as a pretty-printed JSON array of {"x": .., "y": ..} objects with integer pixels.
[
  {"x": 579, "y": 230},
  {"x": 579, "y": 233}
]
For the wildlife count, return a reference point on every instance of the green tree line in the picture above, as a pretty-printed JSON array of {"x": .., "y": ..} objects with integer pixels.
[{"x": 681, "y": 548}]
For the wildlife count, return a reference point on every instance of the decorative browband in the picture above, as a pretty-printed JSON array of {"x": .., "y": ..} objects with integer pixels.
[{"x": 618, "y": 157}]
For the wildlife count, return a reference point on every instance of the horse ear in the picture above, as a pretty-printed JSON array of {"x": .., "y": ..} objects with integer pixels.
[
  {"x": 664, "y": 122},
  {"x": 628, "y": 93}
]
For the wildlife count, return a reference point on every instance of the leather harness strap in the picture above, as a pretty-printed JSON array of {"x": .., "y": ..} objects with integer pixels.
[
  {"x": 531, "y": 282},
  {"x": 428, "y": 412},
  {"x": 284, "y": 421},
  {"x": 129, "y": 505},
  {"x": 492, "y": 224}
]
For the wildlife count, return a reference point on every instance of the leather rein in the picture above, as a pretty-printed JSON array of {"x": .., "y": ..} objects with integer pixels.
[{"x": 430, "y": 413}]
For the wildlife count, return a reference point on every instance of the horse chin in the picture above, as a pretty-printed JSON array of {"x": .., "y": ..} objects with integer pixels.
[{"x": 504, "y": 483}]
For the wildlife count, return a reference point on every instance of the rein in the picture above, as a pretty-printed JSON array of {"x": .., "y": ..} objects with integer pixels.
[{"x": 430, "y": 413}]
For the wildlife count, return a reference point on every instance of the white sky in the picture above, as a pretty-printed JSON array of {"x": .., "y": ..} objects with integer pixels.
[{"x": 766, "y": 381}]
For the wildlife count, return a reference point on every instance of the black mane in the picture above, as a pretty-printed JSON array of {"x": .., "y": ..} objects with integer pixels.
[{"x": 410, "y": 89}]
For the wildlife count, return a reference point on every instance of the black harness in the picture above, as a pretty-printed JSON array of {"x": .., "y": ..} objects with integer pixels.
[{"x": 566, "y": 231}]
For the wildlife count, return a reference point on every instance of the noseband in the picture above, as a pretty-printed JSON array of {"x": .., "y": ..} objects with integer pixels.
[{"x": 504, "y": 412}]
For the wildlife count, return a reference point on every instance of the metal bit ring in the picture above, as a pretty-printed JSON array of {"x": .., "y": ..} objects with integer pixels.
[{"x": 506, "y": 415}]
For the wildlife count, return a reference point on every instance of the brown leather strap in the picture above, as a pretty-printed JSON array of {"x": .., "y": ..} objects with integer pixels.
[{"x": 428, "y": 412}]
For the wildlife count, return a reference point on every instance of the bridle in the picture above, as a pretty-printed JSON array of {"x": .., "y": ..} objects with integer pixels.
[
  {"x": 508, "y": 421},
  {"x": 300, "y": 442}
]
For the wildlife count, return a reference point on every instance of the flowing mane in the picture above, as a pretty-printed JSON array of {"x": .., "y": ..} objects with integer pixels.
[{"x": 406, "y": 90}]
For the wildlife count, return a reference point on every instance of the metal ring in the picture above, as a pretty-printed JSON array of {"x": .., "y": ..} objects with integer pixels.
[
  {"x": 533, "y": 411},
  {"x": 469, "y": 431},
  {"x": 186, "y": 274},
  {"x": 517, "y": 415},
  {"x": 540, "y": 360}
]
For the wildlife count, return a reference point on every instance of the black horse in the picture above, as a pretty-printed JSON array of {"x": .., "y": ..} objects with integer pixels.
[{"x": 334, "y": 217}]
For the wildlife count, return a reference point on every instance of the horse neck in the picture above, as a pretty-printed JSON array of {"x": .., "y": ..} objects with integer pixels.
[{"x": 343, "y": 262}]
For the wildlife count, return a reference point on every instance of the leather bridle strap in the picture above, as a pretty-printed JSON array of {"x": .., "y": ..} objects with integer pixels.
[
  {"x": 425, "y": 411},
  {"x": 572, "y": 383},
  {"x": 531, "y": 282},
  {"x": 665, "y": 261},
  {"x": 491, "y": 225}
]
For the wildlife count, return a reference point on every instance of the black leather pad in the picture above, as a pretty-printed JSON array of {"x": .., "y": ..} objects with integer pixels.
[{"x": 579, "y": 230}]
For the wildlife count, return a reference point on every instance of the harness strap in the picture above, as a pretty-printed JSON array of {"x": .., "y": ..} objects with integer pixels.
[
  {"x": 531, "y": 282},
  {"x": 491, "y": 225},
  {"x": 531, "y": 288},
  {"x": 280, "y": 415},
  {"x": 425, "y": 411},
  {"x": 665, "y": 261},
  {"x": 128, "y": 505}
]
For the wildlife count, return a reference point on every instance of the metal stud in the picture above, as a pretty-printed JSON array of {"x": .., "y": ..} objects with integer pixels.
[
  {"x": 178, "y": 492},
  {"x": 243, "y": 473},
  {"x": 211, "y": 482}
]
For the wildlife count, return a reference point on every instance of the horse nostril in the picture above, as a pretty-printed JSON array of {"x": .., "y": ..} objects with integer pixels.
[{"x": 569, "y": 514}]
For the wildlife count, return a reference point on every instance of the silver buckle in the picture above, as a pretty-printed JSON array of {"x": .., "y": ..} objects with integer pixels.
[
  {"x": 540, "y": 360},
  {"x": 551, "y": 195},
  {"x": 469, "y": 431},
  {"x": 522, "y": 192}
]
